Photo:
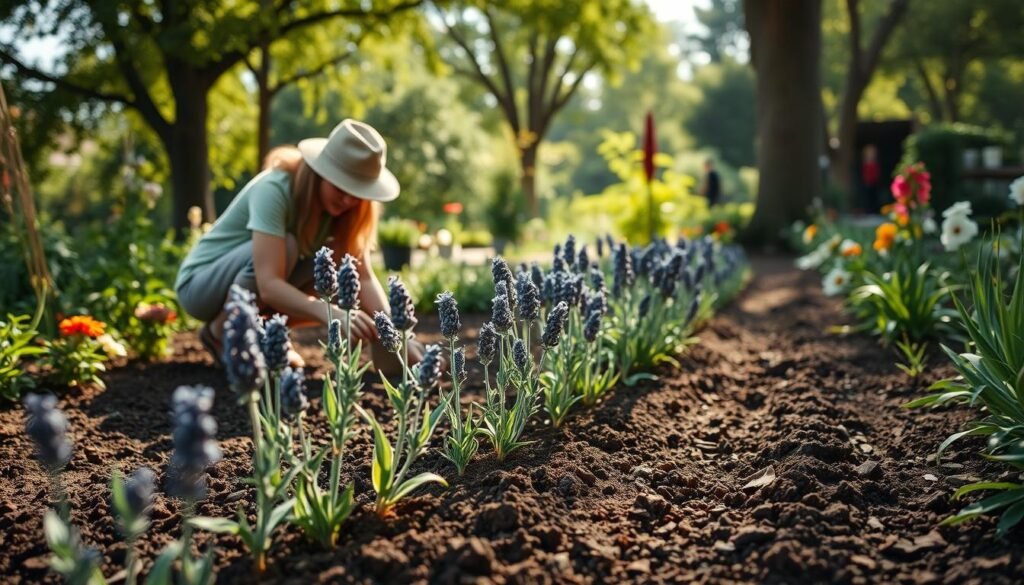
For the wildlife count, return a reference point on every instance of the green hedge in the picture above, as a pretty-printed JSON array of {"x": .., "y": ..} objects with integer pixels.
[{"x": 941, "y": 147}]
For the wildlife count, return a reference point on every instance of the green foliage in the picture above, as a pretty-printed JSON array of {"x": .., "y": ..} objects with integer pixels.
[
  {"x": 17, "y": 334},
  {"x": 625, "y": 204},
  {"x": 416, "y": 423},
  {"x": 437, "y": 275},
  {"x": 72, "y": 560},
  {"x": 941, "y": 147},
  {"x": 75, "y": 361},
  {"x": 991, "y": 380},
  {"x": 724, "y": 118},
  {"x": 505, "y": 212},
  {"x": 908, "y": 303},
  {"x": 401, "y": 233}
]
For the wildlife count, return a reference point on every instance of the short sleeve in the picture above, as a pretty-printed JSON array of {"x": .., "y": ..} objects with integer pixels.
[{"x": 268, "y": 207}]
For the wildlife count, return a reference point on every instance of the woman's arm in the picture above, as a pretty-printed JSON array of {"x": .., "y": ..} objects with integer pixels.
[
  {"x": 270, "y": 261},
  {"x": 371, "y": 294}
]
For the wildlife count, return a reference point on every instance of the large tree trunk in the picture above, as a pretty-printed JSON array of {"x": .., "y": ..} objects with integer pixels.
[
  {"x": 786, "y": 52},
  {"x": 187, "y": 148},
  {"x": 528, "y": 178}
]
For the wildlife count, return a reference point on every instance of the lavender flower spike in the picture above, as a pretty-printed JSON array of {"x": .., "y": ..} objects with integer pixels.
[
  {"x": 501, "y": 313},
  {"x": 195, "y": 447},
  {"x": 139, "y": 490},
  {"x": 556, "y": 321},
  {"x": 519, "y": 355},
  {"x": 592, "y": 326},
  {"x": 428, "y": 371},
  {"x": 293, "y": 396},
  {"x": 325, "y": 274},
  {"x": 389, "y": 336},
  {"x": 348, "y": 284},
  {"x": 488, "y": 343},
  {"x": 459, "y": 365},
  {"x": 403, "y": 312},
  {"x": 48, "y": 428},
  {"x": 243, "y": 360},
  {"x": 448, "y": 311},
  {"x": 274, "y": 343},
  {"x": 529, "y": 298}
]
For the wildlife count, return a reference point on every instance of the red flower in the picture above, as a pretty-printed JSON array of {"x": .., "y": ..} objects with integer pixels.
[
  {"x": 900, "y": 188},
  {"x": 81, "y": 325},
  {"x": 452, "y": 207}
]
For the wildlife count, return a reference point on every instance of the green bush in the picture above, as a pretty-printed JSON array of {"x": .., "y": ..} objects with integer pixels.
[
  {"x": 17, "y": 333},
  {"x": 472, "y": 285},
  {"x": 940, "y": 147},
  {"x": 401, "y": 233}
]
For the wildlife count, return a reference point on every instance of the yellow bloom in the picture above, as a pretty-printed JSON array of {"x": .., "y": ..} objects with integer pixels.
[{"x": 809, "y": 233}]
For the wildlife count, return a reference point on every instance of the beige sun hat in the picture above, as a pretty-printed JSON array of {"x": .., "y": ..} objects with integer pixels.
[{"x": 352, "y": 158}]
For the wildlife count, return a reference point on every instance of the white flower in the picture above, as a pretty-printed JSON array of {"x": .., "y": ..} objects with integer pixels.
[
  {"x": 929, "y": 226},
  {"x": 835, "y": 281},
  {"x": 957, "y": 230},
  {"x": 847, "y": 247},
  {"x": 153, "y": 190},
  {"x": 111, "y": 347},
  {"x": 1017, "y": 191},
  {"x": 815, "y": 258},
  {"x": 959, "y": 208}
]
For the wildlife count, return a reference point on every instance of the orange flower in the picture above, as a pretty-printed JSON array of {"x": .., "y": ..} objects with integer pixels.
[
  {"x": 722, "y": 227},
  {"x": 809, "y": 233},
  {"x": 886, "y": 209},
  {"x": 885, "y": 235},
  {"x": 852, "y": 250},
  {"x": 903, "y": 219},
  {"x": 81, "y": 325}
]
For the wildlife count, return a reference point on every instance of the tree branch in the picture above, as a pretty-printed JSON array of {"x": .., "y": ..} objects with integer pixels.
[
  {"x": 880, "y": 38},
  {"x": 558, "y": 101},
  {"x": 507, "y": 103},
  {"x": 64, "y": 83},
  {"x": 506, "y": 74},
  {"x": 281, "y": 84},
  {"x": 322, "y": 16}
]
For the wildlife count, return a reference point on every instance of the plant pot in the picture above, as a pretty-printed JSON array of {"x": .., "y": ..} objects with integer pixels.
[
  {"x": 970, "y": 158},
  {"x": 992, "y": 157},
  {"x": 396, "y": 257}
]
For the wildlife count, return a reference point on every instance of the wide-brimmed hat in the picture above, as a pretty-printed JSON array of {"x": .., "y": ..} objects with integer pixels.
[{"x": 352, "y": 158}]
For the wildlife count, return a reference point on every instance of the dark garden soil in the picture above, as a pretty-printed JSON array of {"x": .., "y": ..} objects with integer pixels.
[{"x": 778, "y": 453}]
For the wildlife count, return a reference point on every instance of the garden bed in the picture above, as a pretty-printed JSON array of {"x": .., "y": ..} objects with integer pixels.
[{"x": 777, "y": 453}]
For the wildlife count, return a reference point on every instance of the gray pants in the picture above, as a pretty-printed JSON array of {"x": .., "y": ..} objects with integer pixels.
[{"x": 204, "y": 293}]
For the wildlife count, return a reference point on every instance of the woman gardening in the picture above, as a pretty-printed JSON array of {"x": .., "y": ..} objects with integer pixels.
[{"x": 323, "y": 192}]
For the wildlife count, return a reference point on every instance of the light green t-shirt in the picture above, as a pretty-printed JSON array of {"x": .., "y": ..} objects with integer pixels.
[{"x": 265, "y": 205}]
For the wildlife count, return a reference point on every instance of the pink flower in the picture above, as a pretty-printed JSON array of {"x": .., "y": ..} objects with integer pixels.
[
  {"x": 900, "y": 188},
  {"x": 900, "y": 209}
]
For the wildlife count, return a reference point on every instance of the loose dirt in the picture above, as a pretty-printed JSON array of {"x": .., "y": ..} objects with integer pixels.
[{"x": 778, "y": 453}]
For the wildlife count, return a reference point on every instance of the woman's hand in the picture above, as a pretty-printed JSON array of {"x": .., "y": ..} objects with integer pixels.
[{"x": 363, "y": 327}]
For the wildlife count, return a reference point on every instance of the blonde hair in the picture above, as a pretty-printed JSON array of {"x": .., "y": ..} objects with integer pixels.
[{"x": 351, "y": 233}]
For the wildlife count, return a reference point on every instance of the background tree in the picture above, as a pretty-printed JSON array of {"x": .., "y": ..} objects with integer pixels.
[
  {"x": 162, "y": 59},
  {"x": 725, "y": 36},
  {"x": 558, "y": 43},
  {"x": 946, "y": 43},
  {"x": 785, "y": 39}
]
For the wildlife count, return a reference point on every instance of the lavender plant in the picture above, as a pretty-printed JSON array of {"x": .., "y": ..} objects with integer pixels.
[
  {"x": 132, "y": 500},
  {"x": 195, "y": 449},
  {"x": 505, "y": 342},
  {"x": 416, "y": 421},
  {"x": 320, "y": 513},
  {"x": 245, "y": 365},
  {"x": 597, "y": 375},
  {"x": 461, "y": 443}
]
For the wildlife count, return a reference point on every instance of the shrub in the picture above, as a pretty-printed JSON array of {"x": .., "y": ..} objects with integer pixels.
[{"x": 397, "y": 232}]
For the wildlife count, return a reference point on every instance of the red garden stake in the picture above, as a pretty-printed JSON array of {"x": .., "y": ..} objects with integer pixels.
[{"x": 650, "y": 149}]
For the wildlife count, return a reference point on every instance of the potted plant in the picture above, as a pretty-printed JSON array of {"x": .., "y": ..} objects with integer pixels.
[{"x": 397, "y": 238}]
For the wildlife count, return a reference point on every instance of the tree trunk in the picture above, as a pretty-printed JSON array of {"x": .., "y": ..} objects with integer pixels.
[
  {"x": 845, "y": 152},
  {"x": 187, "y": 148},
  {"x": 786, "y": 52},
  {"x": 528, "y": 179}
]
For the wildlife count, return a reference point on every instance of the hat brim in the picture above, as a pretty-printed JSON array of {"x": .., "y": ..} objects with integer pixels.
[{"x": 383, "y": 188}]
